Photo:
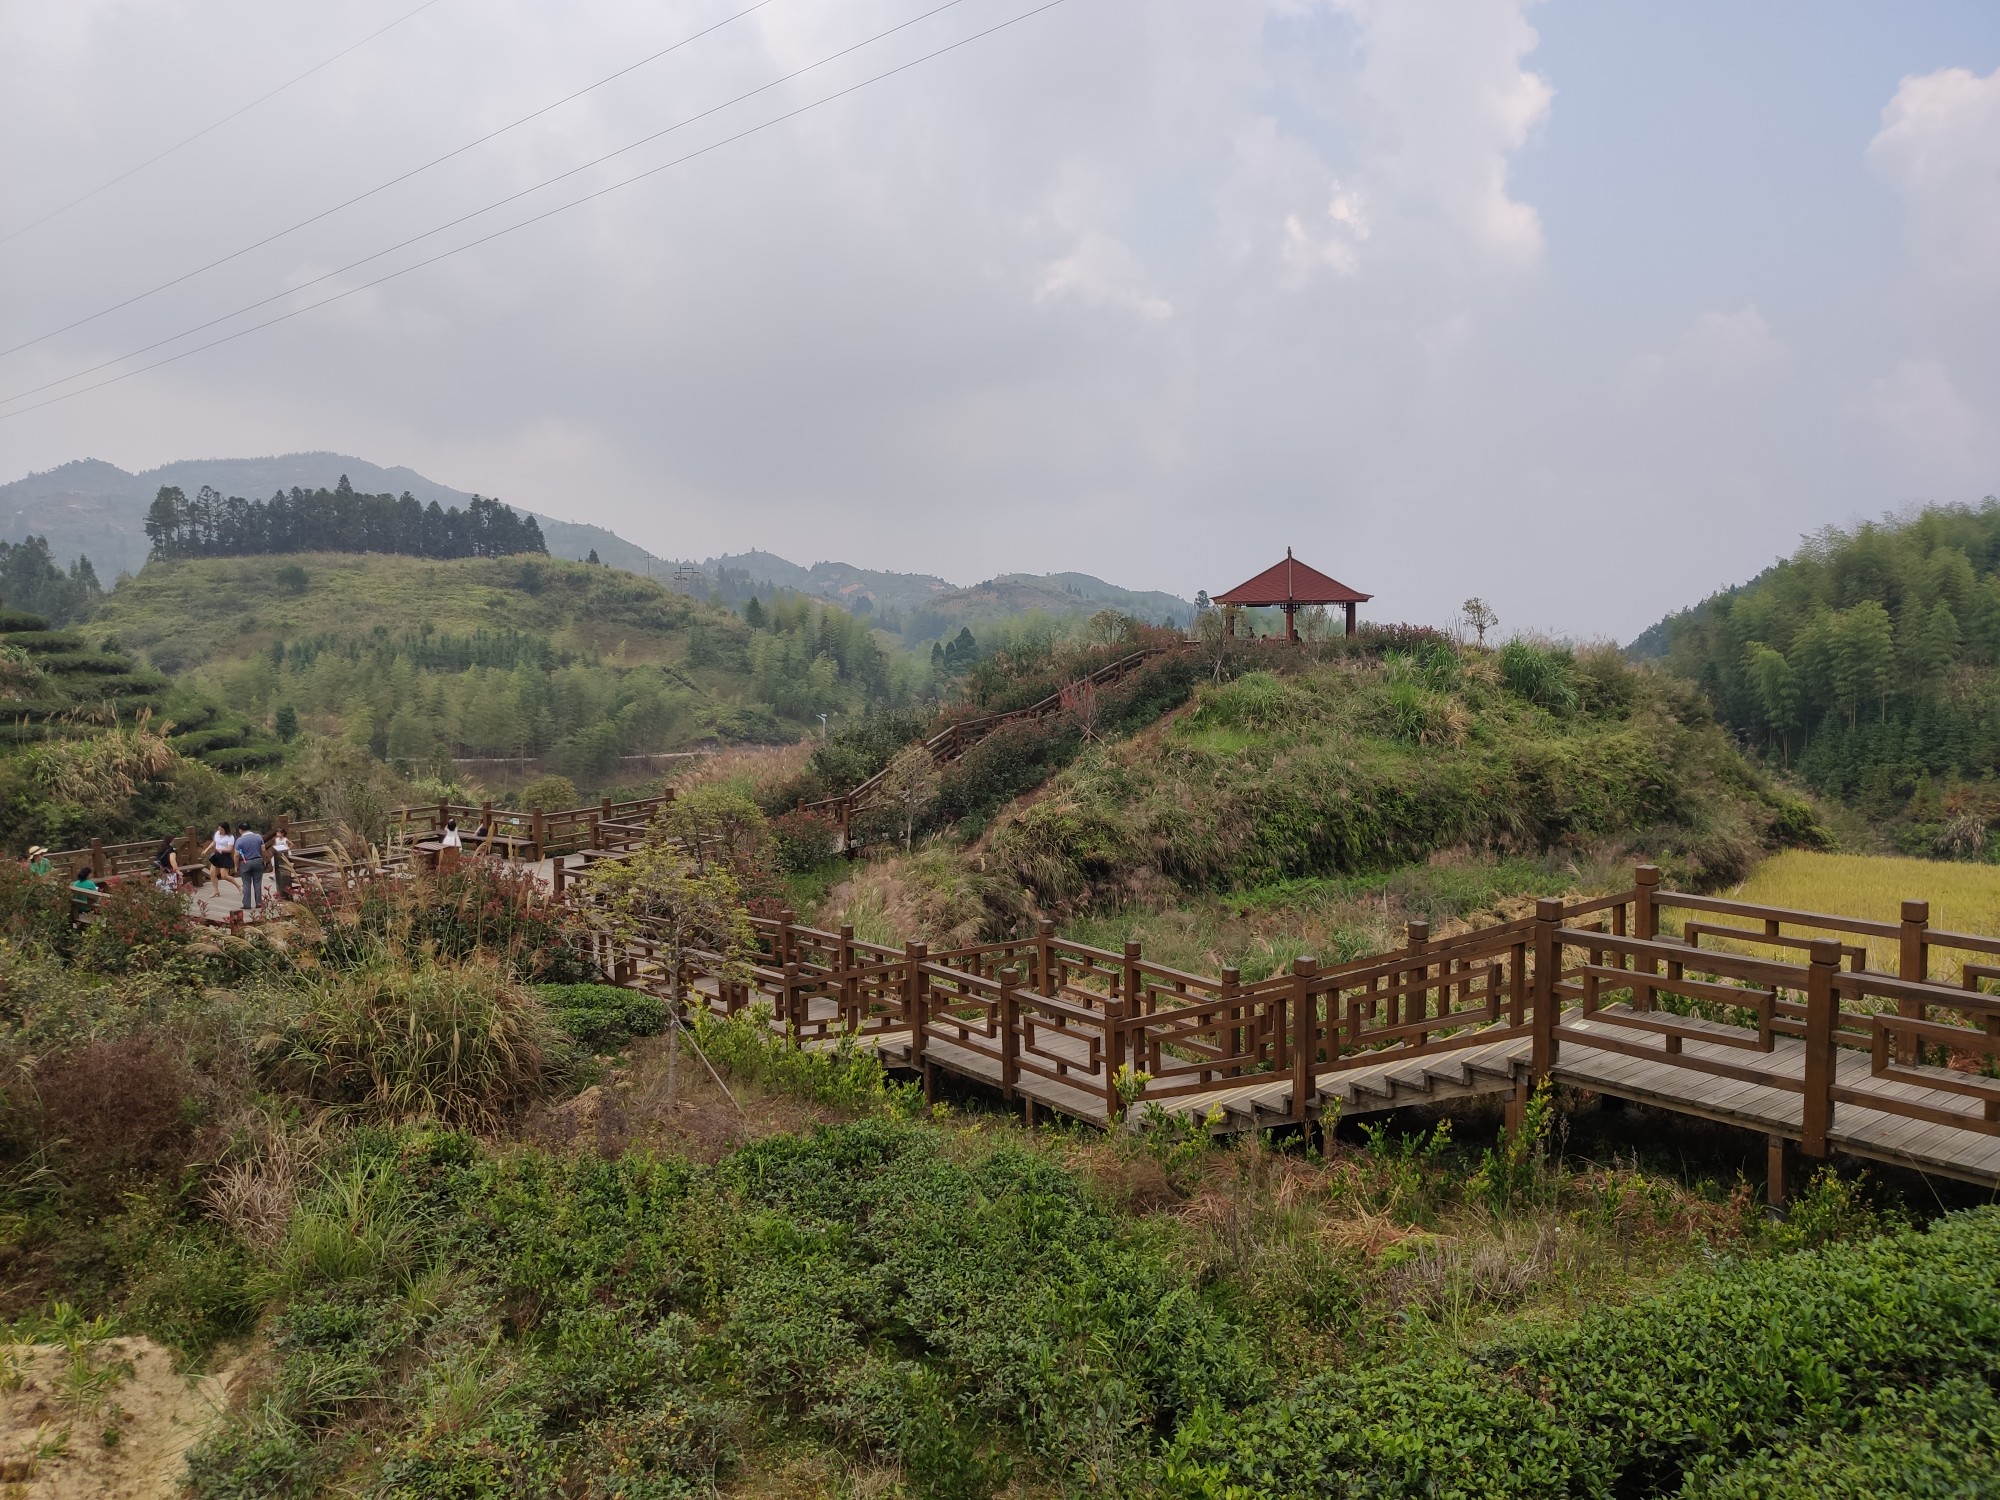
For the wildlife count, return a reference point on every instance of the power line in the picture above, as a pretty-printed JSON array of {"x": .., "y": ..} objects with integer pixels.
[
  {"x": 380, "y": 187},
  {"x": 206, "y": 129},
  {"x": 438, "y": 229},
  {"x": 548, "y": 213}
]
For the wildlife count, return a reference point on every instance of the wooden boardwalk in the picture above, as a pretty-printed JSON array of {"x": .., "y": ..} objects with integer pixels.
[{"x": 1670, "y": 1000}]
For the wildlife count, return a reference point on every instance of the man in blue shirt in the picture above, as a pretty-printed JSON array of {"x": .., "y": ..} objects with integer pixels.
[{"x": 250, "y": 866}]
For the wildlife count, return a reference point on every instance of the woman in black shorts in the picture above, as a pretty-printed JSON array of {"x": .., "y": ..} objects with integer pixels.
[{"x": 221, "y": 852}]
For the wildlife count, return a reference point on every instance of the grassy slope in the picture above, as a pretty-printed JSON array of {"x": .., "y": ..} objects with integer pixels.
[
  {"x": 216, "y": 610},
  {"x": 1350, "y": 767}
]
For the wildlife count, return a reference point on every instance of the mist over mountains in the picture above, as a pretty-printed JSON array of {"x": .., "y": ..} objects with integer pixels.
[{"x": 92, "y": 508}]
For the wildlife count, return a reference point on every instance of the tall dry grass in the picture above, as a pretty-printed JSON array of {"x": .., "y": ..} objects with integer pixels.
[{"x": 461, "y": 1044}]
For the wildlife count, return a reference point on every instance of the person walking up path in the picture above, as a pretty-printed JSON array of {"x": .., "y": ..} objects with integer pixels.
[
  {"x": 221, "y": 853},
  {"x": 250, "y": 864}
]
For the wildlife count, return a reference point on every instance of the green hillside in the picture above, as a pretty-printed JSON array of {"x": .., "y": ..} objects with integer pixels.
[
  {"x": 420, "y": 658},
  {"x": 1340, "y": 767},
  {"x": 1869, "y": 662}
]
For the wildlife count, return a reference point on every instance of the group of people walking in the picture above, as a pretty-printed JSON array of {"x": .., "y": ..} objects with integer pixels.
[{"x": 240, "y": 856}]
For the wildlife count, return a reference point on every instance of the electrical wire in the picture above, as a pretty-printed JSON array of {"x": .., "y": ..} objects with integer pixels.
[
  {"x": 414, "y": 239},
  {"x": 57, "y": 213},
  {"x": 713, "y": 146},
  {"x": 380, "y": 187}
]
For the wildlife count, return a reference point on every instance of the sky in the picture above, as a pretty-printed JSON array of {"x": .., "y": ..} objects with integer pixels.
[{"x": 1587, "y": 307}]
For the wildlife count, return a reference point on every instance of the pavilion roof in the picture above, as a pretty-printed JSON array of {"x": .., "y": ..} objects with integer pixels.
[{"x": 1292, "y": 582}]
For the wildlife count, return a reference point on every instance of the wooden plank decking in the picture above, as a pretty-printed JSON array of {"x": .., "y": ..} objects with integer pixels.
[{"x": 1898, "y": 1068}]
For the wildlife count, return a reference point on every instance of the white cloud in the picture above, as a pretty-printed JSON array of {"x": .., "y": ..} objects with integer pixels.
[
  {"x": 1920, "y": 408},
  {"x": 1725, "y": 348},
  {"x": 1939, "y": 146},
  {"x": 1450, "y": 102},
  {"x": 1101, "y": 272},
  {"x": 1717, "y": 349}
]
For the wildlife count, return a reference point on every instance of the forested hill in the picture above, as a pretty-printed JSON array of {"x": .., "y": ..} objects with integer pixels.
[
  {"x": 1869, "y": 660},
  {"x": 419, "y": 658}
]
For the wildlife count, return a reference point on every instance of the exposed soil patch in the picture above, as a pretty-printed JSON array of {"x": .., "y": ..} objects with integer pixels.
[{"x": 109, "y": 1420}]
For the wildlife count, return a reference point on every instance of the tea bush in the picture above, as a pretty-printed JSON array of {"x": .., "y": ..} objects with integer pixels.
[
  {"x": 603, "y": 1017},
  {"x": 1631, "y": 1401}
]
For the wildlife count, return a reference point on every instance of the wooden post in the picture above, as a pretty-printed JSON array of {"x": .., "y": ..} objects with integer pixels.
[
  {"x": 785, "y": 946},
  {"x": 1045, "y": 957},
  {"x": 97, "y": 859},
  {"x": 444, "y": 814},
  {"x": 915, "y": 1005},
  {"x": 604, "y": 810},
  {"x": 1417, "y": 1006},
  {"x": 537, "y": 830},
  {"x": 1645, "y": 927},
  {"x": 1350, "y": 619},
  {"x": 1133, "y": 1010},
  {"x": 1305, "y": 1026},
  {"x": 1232, "y": 979},
  {"x": 1820, "y": 1004},
  {"x": 1010, "y": 1030},
  {"x": 1548, "y": 963},
  {"x": 556, "y": 874},
  {"x": 1915, "y": 965},
  {"x": 794, "y": 1006},
  {"x": 1774, "y": 1170},
  {"x": 850, "y": 986}
]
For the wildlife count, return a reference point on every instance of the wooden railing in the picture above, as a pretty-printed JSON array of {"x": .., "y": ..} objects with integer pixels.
[
  {"x": 110, "y": 861},
  {"x": 1637, "y": 972},
  {"x": 533, "y": 834},
  {"x": 950, "y": 743}
]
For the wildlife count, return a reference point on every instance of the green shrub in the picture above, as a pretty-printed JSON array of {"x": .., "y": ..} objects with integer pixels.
[
  {"x": 136, "y": 925},
  {"x": 34, "y": 908},
  {"x": 1633, "y": 1400},
  {"x": 1915, "y": 1443},
  {"x": 502, "y": 1458},
  {"x": 1544, "y": 675},
  {"x": 805, "y": 840},
  {"x": 460, "y": 1044},
  {"x": 194, "y": 1292},
  {"x": 603, "y": 1017}
]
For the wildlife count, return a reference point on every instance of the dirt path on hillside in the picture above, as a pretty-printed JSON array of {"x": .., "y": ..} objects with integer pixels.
[{"x": 106, "y": 1420}]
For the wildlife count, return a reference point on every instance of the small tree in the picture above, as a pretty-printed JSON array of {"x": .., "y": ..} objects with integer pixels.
[
  {"x": 689, "y": 916},
  {"x": 911, "y": 785},
  {"x": 1479, "y": 616}
]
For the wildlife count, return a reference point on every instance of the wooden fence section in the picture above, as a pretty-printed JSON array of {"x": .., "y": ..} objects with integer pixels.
[
  {"x": 533, "y": 835},
  {"x": 111, "y": 861},
  {"x": 950, "y": 743},
  {"x": 1760, "y": 1017}
]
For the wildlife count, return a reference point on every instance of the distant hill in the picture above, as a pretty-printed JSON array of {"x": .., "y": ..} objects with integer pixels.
[
  {"x": 98, "y": 510},
  {"x": 921, "y": 607}
]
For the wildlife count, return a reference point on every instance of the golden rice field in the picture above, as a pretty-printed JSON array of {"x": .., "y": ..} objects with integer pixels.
[{"x": 1963, "y": 897}]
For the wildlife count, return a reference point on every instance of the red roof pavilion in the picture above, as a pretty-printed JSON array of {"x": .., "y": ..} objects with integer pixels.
[{"x": 1288, "y": 585}]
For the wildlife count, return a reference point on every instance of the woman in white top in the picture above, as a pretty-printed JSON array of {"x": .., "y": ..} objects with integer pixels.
[{"x": 221, "y": 852}]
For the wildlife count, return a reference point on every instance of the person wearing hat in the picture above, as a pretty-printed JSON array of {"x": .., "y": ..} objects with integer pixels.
[{"x": 38, "y": 860}]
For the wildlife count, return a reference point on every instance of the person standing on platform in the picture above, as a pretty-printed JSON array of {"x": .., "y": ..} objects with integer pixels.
[{"x": 250, "y": 864}]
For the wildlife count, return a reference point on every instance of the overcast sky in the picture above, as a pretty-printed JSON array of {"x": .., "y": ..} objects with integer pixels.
[{"x": 1586, "y": 307}]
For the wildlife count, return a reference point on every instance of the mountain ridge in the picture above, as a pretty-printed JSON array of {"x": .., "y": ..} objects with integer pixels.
[{"x": 94, "y": 508}]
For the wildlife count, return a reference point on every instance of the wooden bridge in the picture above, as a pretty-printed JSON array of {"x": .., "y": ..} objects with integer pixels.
[{"x": 1758, "y": 1017}]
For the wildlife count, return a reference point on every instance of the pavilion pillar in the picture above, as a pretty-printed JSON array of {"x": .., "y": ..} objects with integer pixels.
[
  {"x": 1350, "y": 617},
  {"x": 1291, "y": 622}
]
